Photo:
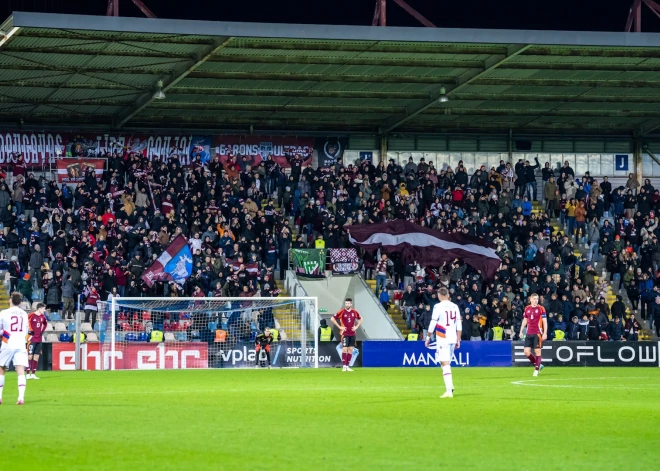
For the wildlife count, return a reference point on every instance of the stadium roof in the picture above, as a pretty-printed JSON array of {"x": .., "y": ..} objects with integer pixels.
[{"x": 102, "y": 71}]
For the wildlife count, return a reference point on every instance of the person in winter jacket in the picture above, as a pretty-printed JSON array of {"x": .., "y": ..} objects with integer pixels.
[
  {"x": 632, "y": 329},
  {"x": 616, "y": 330}
]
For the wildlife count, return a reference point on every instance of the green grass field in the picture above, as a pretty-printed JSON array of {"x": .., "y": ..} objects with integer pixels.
[{"x": 500, "y": 418}]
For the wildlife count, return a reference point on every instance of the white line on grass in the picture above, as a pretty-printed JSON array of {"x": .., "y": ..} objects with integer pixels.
[{"x": 536, "y": 383}]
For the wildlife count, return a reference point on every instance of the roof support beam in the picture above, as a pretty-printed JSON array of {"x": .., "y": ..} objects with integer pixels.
[
  {"x": 463, "y": 81},
  {"x": 87, "y": 70},
  {"x": 414, "y": 13},
  {"x": 6, "y": 37},
  {"x": 568, "y": 83},
  {"x": 323, "y": 77},
  {"x": 126, "y": 37},
  {"x": 179, "y": 73},
  {"x": 71, "y": 50},
  {"x": 505, "y": 97},
  {"x": 347, "y": 94},
  {"x": 649, "y": 127},
  {"x": 283, "y": 60}
]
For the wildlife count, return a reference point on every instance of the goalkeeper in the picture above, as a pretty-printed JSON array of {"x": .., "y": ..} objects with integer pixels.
[{"x": 262, "y": 343}]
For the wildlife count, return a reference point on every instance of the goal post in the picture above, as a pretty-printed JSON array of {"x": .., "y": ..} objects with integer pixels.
[{"x": 184, "y": 333}]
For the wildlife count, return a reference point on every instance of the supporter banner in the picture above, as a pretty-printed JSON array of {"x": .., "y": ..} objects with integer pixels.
[
  {"x": 37, "y": 148},
  {"x": 309, "y": 263},
  {"x": 258, "y": 148},
  {"x": 344, "y": 261},
  {"x": 74, "y": 170},
  {"x": 429, "y": 247},
  {"x": 603, "y": 353},
  {"x": 41, "y": 148},
  {"x": 283, "y": 354},
  {"x": 140, "y": 356},
  {"x": 404, "y": 353},
  {"x": 174, "y": 264},
  {"x": 330, "y": 149}
]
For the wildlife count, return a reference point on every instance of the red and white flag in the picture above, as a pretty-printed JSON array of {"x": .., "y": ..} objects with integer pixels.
[{"x": 426, "y": 246}]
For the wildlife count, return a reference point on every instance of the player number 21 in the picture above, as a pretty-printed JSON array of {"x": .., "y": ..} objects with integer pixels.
[
  {"x": 15, "y": 320},
  {"x": 450, "y": 315}
]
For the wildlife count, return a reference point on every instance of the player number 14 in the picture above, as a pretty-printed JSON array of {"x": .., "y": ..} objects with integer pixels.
[{"x": 450, "y": 315}]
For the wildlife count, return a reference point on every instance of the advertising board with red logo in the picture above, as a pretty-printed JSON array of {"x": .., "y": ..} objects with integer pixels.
[{"x": 133, "y": 356}]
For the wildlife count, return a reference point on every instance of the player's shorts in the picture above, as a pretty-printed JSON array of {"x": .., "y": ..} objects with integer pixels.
[
  {"x": 35, "y": 348},
  {"x": 18, "y": 357},
  {"x": 348, "y": 341},
  {"x": 534, "y": 341},
  {"x": 444, "y": 351}
]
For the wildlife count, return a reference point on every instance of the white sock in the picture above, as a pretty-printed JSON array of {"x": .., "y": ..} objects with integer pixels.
[
  {"x": 446, "y": 374},
  {"x": 21, "y": 387},
  {"x": 2, "y": 385}
]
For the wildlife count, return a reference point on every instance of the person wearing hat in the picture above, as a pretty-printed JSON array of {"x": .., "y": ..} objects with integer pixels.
[
  {"x": 25, "y": 287},
  {"x": 325, "y": 332}
]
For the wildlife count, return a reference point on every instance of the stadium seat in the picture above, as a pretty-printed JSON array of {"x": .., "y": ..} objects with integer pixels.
[
  {"x": 71, "y": 327},
  {"x": 125, "y": 326},
  {"x": 97, "y": 327},
  {"x": 174, "y": 326},
  {"x": 119, "y": 337},
  {"x": 50, "y": 327},
  {"x": 52, "y": 338},
  {"x": 213, "y": 326},
  {"x": 59, "y": 327},
  {"x": 102, "y": 337},
  {"x": 55, "y": 316},
  {"x": 181, "y": 337},
  {"x": 146, "y": 316},
  {"x": 186, "y": 315},
  {"x": 65, "y": 337},
  {"x": 92, "y": 337},
  {"x": 142, "y": 337},
  {"x": 225, "y": 325},
  {"x": 220, "y": 336},
  {"x": 86, "y": 327},
  {"x": 169, "y": 337},
  {"x": 122, "y": 316},
  {"x": 186, "y": 325},
  {"x": 131, "y": 337},
  {"x": 137, "y": 325},
  {"x": 283, "y": 335}
]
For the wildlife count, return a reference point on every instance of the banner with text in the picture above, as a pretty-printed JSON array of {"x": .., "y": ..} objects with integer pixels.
[
  {"x": 74, "y": 170},
  {"x": 330, "y": 150},
  {"x": 592, "y": 354},
  {"x": 282, "y": 354},
  {"x": 344, "y": 261},
  {"x": 133, "y": 356},
  {"x": 404, "y": 353},
  {"x": 309, "y": 263},
  {"x": 258, "y": 148},
  {"x": 42, "y": 148}
]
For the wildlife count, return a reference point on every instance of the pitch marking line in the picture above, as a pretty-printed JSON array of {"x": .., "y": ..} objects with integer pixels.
[{"x": 536, "y": 383}]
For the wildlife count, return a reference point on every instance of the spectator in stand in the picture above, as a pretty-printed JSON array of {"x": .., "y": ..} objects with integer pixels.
[
  {"x": 381, "y": 273},
  {"x": 616, "y": 330},
  {"x": 632, "y": 329}
]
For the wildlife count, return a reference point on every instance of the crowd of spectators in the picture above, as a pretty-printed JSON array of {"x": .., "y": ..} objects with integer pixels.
[{"x": 242, "y": 218}]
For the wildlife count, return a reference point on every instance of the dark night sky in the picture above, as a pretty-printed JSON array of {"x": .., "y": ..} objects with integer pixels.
[{"x": 586, "y": 15}]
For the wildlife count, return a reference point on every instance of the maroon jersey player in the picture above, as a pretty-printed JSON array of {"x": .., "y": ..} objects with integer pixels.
[
  {"x": 348, "y": 321},
  {"x": 38, "y": 323},
  {"x": 537, "y": 331}
]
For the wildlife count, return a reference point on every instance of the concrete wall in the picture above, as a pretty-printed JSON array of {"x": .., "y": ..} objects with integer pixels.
[{"x": 333, "y": 290}]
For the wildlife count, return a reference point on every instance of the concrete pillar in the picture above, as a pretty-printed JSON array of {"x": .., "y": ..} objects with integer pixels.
[
  {"x": 383, "y": 149},
  {"x": 637, "y": 159}
]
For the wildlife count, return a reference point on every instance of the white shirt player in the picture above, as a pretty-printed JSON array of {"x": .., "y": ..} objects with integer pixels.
[
  {"x": 14, "y": 327},
  {"x": 445, "y": 322}
]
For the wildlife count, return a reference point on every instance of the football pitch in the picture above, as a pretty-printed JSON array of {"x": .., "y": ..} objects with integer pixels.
[{"x": 500, "y": 418}]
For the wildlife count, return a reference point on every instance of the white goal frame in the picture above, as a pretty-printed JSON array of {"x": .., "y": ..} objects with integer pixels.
[{"x": 315, "y": 321}]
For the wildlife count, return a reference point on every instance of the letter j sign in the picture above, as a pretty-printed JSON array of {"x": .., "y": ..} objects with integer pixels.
[{"x": 621, "y": 162}]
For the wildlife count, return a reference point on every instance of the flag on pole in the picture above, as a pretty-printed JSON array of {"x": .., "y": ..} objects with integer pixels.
[
  {"x": 175, "y": 264},
  {"x": 430, "y": 248}
]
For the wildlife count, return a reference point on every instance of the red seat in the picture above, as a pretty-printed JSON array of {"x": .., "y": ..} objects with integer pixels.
[
  {"x": 185, "y": 325},
  {"x": 174, "y": 326},
  {"x": 138, "y": 326},
  {"x": 122, "y": 316},
  {"x": 146, "y": 316},
  {"x": 125, "y": 326}
]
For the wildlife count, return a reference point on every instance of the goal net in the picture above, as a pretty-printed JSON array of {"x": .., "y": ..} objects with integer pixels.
[{"x": 183, "y": 333}]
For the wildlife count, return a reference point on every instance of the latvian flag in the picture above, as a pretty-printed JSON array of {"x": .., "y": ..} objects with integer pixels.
[{"x": 428, "y": 247}]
